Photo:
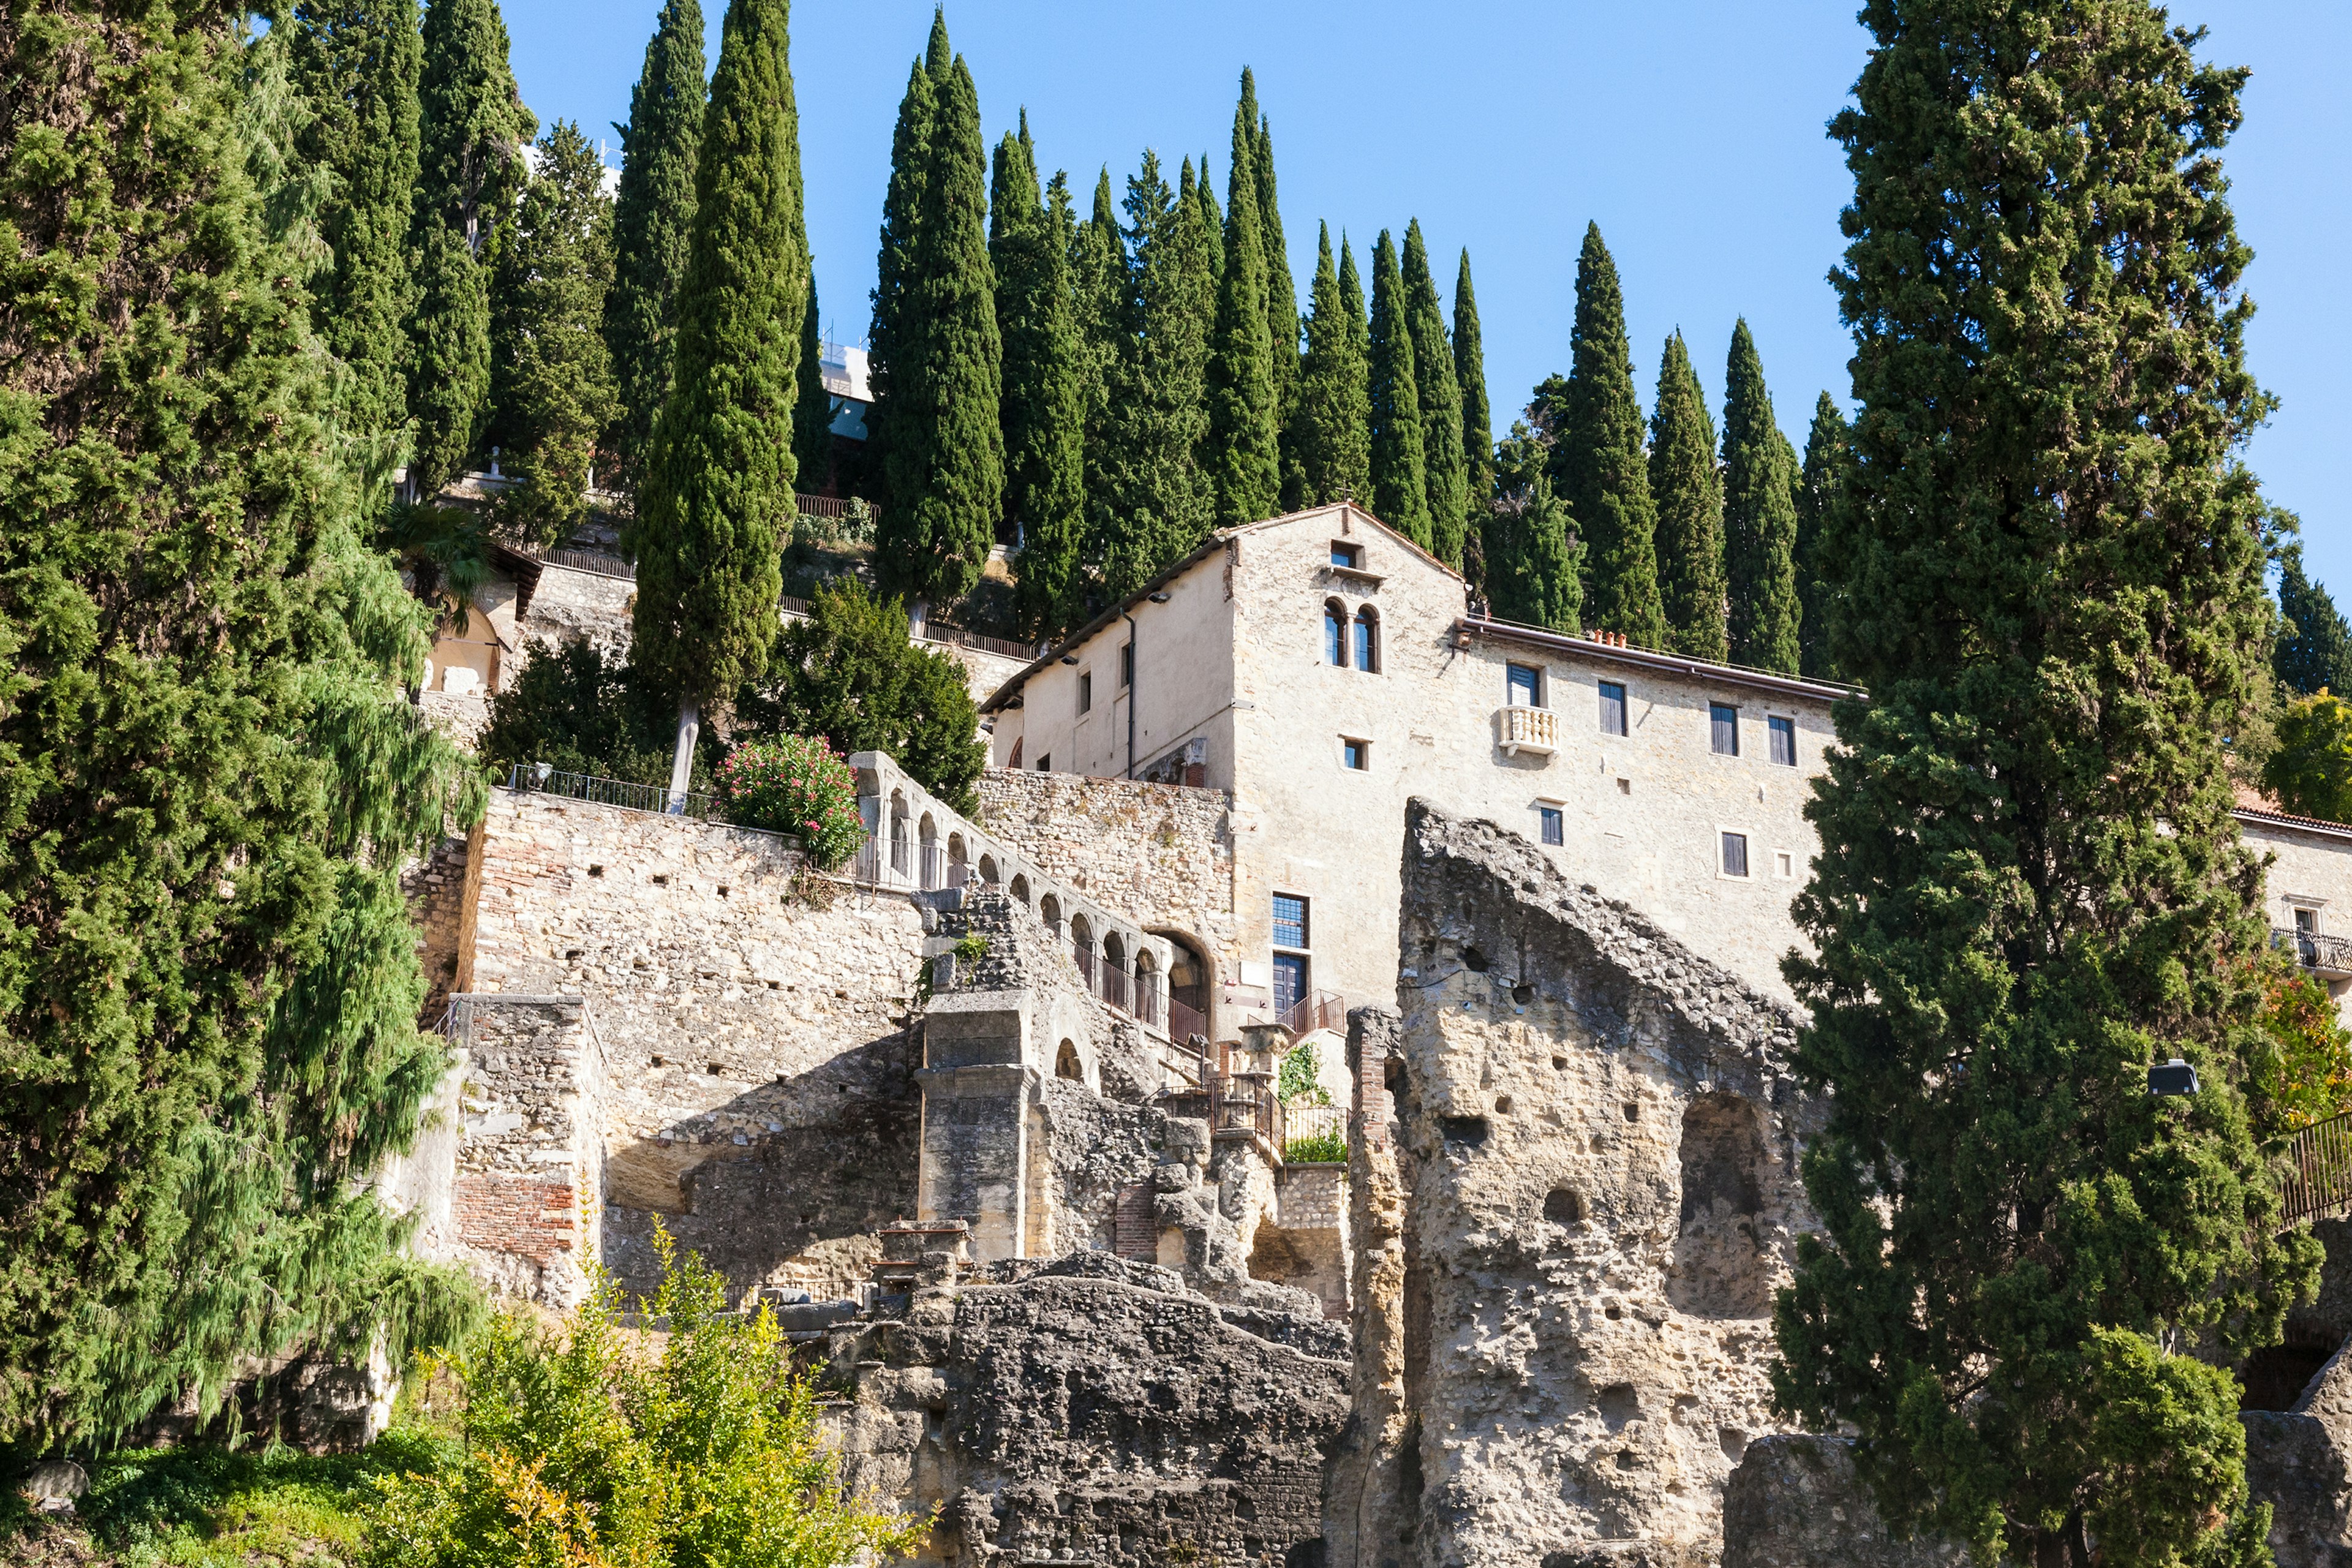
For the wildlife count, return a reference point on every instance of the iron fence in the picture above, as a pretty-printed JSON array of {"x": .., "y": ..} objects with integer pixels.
[
  {"x": 2313, "y": 951},
  {"x": 655, "y": 798},
  {"x": 1314, "y": 1133},
  {"x": 2318, "y": 1179},
  {"x": 1185, "y": 1022},
  {"x": 1316, "y": 1010}
]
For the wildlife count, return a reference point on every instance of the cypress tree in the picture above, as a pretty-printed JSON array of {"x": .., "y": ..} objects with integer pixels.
[
  {"x": 2313, "y": 648},
  {"x": 945, "y": 462},
  {"x": 812, "y": 404},
  {"x": 1103, "y": 302},
  {"x": 550, "y": 371},
  {"x": 1244, "y": 456},
  {"x": 1760, "y": 517},
  {"x": 1536, "y": 574},
  {"x": 1331, "y": 425},
  {"x": 1445, "y": 477},
  {"x": 209, "y": 980},
  {"x": 1400, "y": 481},
  {"x": 653, "y": 219},
  {"x": 356, "y": 70},
  {"x": 1819, "y": 482},
  {"x": 1688, "y": 493},
  {"x": 710, "y": 528},
  {"x": 1598, "y": 463},
  {"x": 471, "y": 125},
  {"x": 1281, "y": 296},
  {"x": 1044, "y": 414},
  {"x": 2030, "y": 887},
  {"x": 1477, "y": 426},
  {"x": 1203, "y": 202},
  {"x": 896, "y": 332}
]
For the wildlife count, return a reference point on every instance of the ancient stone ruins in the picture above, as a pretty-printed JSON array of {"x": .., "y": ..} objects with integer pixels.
[{"x": 995, "y": 1117}]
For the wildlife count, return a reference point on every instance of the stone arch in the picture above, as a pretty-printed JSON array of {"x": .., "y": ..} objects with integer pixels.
[
  {"x": 988, "y": 870},
  {"x": 1067, "y": 1064},
  {"x": 1019, "y": 889},
  {"x": 1721, "y": 1266},
  {"x": 959, "y": 870},
  {"x": 926, "y": 849},
  {"x": 899, "y": 845},
  {"x": 1192, "y": 977},
  {"x": 1082, "y": 947},
  {"x": 1335, "y": 633},
  {"x": 1366, "y": 650},
  {"x": 1049, "y": 909},
  {"x": 1151, "y": 1000}
]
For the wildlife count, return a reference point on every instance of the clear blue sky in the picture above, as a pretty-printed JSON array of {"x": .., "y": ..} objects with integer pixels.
[{"x": 1690, "y": 129}]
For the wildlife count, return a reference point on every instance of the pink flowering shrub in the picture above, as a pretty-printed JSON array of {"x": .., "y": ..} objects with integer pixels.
[{"x": 796, "y": 785}]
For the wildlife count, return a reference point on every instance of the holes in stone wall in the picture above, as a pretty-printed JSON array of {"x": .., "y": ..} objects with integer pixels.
[
  {"x": 572, "y": 954},
  {"x": 1465, "y": 1131},
  {"x": 595, "y": 870},
  {"x": 1067, "y": 1064},
  {"x": 1620, "y": 1403},
  {"x": 1721, "y": 1266},
  {"x": 1502, "y": 1105},
  {"x": 1474, "y": 961},
  {"x": 660, "y": 880},
  {"x": 1559, "y": 1064},
  {"x": 1523, "y": 994},
  {"x": 1632, "y": 1110},
  {"x": 1564, "y": 1205}
]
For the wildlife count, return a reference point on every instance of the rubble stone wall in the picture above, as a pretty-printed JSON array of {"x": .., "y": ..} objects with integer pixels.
[
  {"x": 527, "y": 1163},
  {"x": 436, "y": 888},
  {"x": 1599, "y": 1145}
]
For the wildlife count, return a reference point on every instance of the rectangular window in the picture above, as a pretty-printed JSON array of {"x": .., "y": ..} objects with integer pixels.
[
  {"x": 1613, "y": 708},
  {"x": 2306, "y": 923},
  {"x": 1289, "y": 980},
  {"x": 1357, "y": 754},
  {"x": 1343, "y": 555},
  {"x": 1784, "y": 742},
  {"x": 1289, "y": 920},
  {"x": 1735, "y": 854},
  {"x": 1785, "y": 862},
  {"x": 1552, "y": 824},
  {"x": 1525, "y": 686},
  {"x": 1125, "y": 666},
  {"x": 1723, "y": 723},
  {"x": 1086, "y": 691}
]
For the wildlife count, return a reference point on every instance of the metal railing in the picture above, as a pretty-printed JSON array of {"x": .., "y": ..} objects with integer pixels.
[
  {"x": 2318, "y": 1180},
  {"x": 821, "y": 506},
  {"x": 1185, "y": 1022},
  {"x": 655, "y": 798},
  {"x": 2313, "y": 951},
  {"x": 938, "y": 631},
  {"x": 1316, "y": 1010},
  {"x": 1314, "y": 1131}
]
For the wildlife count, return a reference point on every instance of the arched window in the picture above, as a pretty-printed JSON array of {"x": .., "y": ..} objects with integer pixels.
[
  {"x": 1367, "y": 639},
  {"x": 1049, "y": 910},
  {"x": 988, "y": 870},
  {"x": 1335, "y": 633},
  {"x": 1067, "y": 1065},
  {"x": 1020, "y": 890},
  {"x": 898, "y": 845}
]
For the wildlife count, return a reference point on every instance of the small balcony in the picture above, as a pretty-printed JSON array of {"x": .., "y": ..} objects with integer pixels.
[
  {"x": 1532, "y": 731},
  {"x": 2327, "y": 956}
]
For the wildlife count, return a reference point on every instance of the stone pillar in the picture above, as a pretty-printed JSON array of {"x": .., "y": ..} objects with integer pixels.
[
  {"x": 1368, "y": 1518},
  {"x": 978, "y": 1080}
]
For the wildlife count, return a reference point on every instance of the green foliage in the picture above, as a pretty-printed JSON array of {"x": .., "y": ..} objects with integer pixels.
[
  {"x": 653, "y": 222},
  {"x": 1331, "y": 425},
  {"x": 2302, "y": 1071},
  {"x": 1477, "y": 427},
  {"x": 1400, "y": 476},
  {"x": 896, "y": 338},
  {"x": 550, "y": 373},
  {"x": 849, "y": 674},
  {"x": 943, "y": 451},
  {"x": 579, "y": 713},
  {"x": 356, "y": 69},
  {"x": 1819, "y": 485},
  {"x": 446, "y": 550},
  {"x": 471, "y": 126},
  {"x": 1281, "y": 297},
  {"x": 1599, "y": 465},
  {"x": 1044, "y": 412},
  {"x": 2049, "y": 560},
  {"x": 1444, "y": 470},
  {"x": 1760, "y": 517},
  {"x": 208, "y": 981},
  {"x": 791, "y": 784},
  {"x": 1535, "y": 569},
  {"x": 1300, "y": 1081},
  {"x": 712, "y": 519},
  {"x": 2314, "y": 651},
  {"x": 1689, "y": 496},
  {"x": 1243, "y": 456},
  {"x": 580, "y": 1450},
  {"x": 1101, "y": 300},
  {"x": 1328, "y": 1148},
  {"x": 2310, "y": 774}
]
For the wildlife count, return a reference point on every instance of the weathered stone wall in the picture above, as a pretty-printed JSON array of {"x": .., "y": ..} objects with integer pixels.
[
  {"x": 760, "y": 1096},
  {"x": 528, "y": 1161},
  {"x": 1371, "y": 1516},
  {"x": 1093, "y": 1411},
  {"x": 568, "y": 605},
  {"x": 1796, "y": 1502},
  {"x": 436, "y": 888},
  {"x": 1600, "y": 1147}
]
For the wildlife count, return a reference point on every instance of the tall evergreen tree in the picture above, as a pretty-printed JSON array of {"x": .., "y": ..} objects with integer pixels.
[
  {"x": 1203, "y": 199},
  {"x": 1535, "y": 574},
  {"x": 1444, "y": 476},
  {"x": 208, "y": 979},
  {"x": 1818, "y": 481},
  {"x": 2030, "y": 887},
  {"x": 1103, "y": 299},
  {"x": 1688, "y": 494},
  {"x": 709, "y": 528},
  {"x": 812, "y": 404},
  {"x": 1281, "y": 295},
  {"x": 471, "y": 126},
  {"x": 356, "y": 69},
  {"x": 1760, "y": 517},
  {"x": 1331, "y": 425},
  {"x": 2313, "y": 646},
  {"x": 1598, "y": 463},
  {"x": 1244, "y": 457},
  {"x": 1043, "y": 415},
  {"x": 945, "y": 463},
  {"x": 1477, "y": 425},
  {"x": 1399, "y": 478},
  {"x": 550, "y": 373},
  {"x": 896, "y": 333},
  {"x": 652, "y": 220}
]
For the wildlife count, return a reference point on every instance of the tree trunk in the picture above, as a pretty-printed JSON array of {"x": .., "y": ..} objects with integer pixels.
[{"x": 681, "y": 767}]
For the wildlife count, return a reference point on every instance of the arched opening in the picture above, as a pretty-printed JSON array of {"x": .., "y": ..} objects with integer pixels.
[
  {"x": 1189, "y": 980},
  {"x": 927, "y": 833},
  {"x": 1082, "y": 947},
  {"x": 1721, "y": 1270},
  {"x": 899, "y": 847},
  {"x": 1150, "y": 995},
  {"x": 1114, "y": 987},
  {"x": 1367, "y": 639},
  {"x": 988, "y": 870},
  {"x": 1067, "y": 1064},
  {"x": 1049, "y": 908},
  {"x": 958, "y": 871},
  {"x": 1335, "y": 633},
  {"x": 1020, "y": 890}
]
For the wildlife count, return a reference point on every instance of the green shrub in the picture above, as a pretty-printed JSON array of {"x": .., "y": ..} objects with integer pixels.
[
  {"x": 1301, "y": 1079},
  {"x": 1319, "y": 1148},
  {"x": 796, "y": 785},
  {"x": 580, "y": 1452},
  {"x": 2310, "y": 771}
]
